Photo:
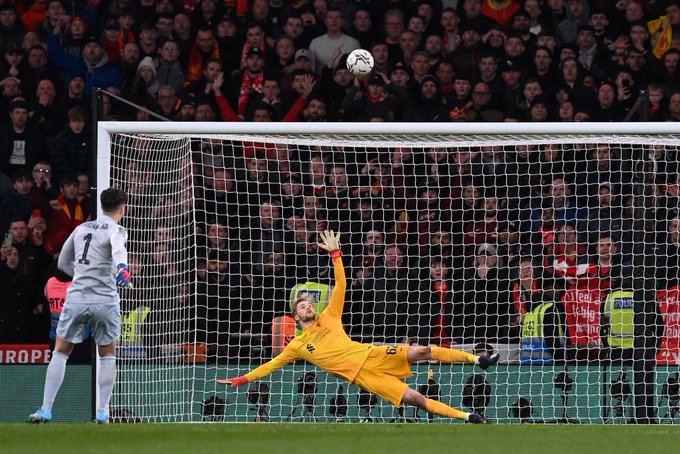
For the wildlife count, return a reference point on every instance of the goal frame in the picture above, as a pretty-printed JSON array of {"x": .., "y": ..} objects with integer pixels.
[{"x": 105, "y": 130}]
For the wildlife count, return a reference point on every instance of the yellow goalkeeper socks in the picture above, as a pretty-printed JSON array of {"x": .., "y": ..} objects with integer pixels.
[
  {"x": 439, "y": 408},
  {"x": 449, "y": 355}
]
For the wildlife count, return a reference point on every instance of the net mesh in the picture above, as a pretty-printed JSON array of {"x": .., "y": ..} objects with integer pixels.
[{"x": 524, "y": 245}]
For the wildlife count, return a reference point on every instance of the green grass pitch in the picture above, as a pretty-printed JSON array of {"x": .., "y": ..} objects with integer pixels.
[{"x": 337, "y": 438}]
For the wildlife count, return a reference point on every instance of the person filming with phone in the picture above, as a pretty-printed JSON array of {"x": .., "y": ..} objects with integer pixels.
[{"x": 32, "y": 257}]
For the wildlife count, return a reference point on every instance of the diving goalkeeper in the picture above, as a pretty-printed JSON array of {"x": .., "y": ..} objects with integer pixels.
[{"x": 375, "y": 368}]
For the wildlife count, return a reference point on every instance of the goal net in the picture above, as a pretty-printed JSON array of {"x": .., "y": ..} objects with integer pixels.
[{"x": 553, "y": 245}]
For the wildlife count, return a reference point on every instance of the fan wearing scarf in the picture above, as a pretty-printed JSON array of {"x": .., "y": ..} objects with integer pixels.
[
  {"x": 64, "y": 215},
  {"x": 249, "y": 80},
  {"x": 204, "y": 49}
]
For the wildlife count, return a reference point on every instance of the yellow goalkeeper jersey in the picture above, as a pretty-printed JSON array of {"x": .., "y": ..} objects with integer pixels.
[{"x": 324, "y": 343}]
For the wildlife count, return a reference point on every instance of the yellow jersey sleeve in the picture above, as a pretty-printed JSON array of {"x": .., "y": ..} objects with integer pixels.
[
  {"x": 287, "y": 356},
  {"x": 337, "y": 302}
]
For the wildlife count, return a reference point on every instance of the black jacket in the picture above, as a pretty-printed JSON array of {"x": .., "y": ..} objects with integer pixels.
[{"x": 71, "y": 153}]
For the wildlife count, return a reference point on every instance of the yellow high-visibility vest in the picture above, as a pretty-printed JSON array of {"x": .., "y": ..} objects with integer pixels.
[
  {"x": 534, "y": 349},
  {"x": 132, "y": 321},
  {"x": 619, "y": 308},
  {"x": 320, "y": 295}
]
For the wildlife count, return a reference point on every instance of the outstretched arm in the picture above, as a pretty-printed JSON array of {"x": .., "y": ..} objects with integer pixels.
[
  {"x": 287, "y": 356},
  {"x": 331, "y": 243}
]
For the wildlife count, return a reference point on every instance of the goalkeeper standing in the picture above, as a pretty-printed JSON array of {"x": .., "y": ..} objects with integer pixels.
[
  {"x": 375, "y": 368},
  {"x": 96, "y": 257}
]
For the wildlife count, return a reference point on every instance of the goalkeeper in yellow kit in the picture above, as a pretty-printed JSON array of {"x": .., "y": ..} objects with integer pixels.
[{"x": 375, "y": 368}]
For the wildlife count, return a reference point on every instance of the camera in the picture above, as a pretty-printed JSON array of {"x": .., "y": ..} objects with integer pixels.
[
  {"x": 620, "y": 392},
  {"x": 366, "y": 401},
  {"x": 620, "y": 388},
  {"x": 307, "y": 387},
  {"x": 338, "y": 404},
  {"x": 306, "y": 390},
  {"x": 431, "y": 390},
  {"x": 307, "y": 383},
  {"x": 564, "y": 381},
  {"x": 671, "y": 391},
  {"x": 523, "y": 410},
  {"x": 213, "y": 408},
  {"x": 258, "y": 393},
  {"x": 477, "y": 393},
  {"x": 258, "y": 399}
]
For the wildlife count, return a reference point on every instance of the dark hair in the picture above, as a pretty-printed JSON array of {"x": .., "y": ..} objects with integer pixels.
[
  {"x": 37, "y": 47},
  {"x": 68, "y": 179},
  {"x": 254, "y": 24},
  {"x": 165, "y": 16},
  {"x": 17, "y": 219},
  {"x": 76, "y": 113},
  {"x": 148, "y": 26},
  {"x": 17, "y": 104},
  {"x": 316, "y": 97},
  {"x": 264, "y": 106},
  {"x": 22, "y": 174},
  {"x": 300, "y": 72},
  {"x": 437, "y": 259},
  {"x": 112, "y": 199}
]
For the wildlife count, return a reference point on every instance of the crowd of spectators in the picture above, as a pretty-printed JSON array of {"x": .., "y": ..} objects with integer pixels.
[
  {"x": 442, "y": 245},
  {"x": 270, "y": 60},
  {"x": 462, "y": 217}
]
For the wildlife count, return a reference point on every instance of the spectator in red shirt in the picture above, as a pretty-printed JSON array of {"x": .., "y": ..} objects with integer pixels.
[
  {"x": 569, "y": 260},
  {"x": 64, "y": 214},
  {"x": 35, "y": 15}
]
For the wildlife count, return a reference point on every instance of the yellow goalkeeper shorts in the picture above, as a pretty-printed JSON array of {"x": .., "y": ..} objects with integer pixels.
[{"x": 382, "y": 370}]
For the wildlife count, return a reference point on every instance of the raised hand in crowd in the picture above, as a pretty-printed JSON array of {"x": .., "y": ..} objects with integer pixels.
[
  {"x": 334, "y": 57},
  {"x": 308, "y": 84},
  {"x": 56, "y": 205},
  {"x": 216, "y": 85}
]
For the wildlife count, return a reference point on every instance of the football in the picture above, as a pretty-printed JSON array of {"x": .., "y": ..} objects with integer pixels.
[{"x": 360, "y": 62}]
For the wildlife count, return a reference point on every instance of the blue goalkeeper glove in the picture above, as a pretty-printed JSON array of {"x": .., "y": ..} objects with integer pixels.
[{"x": 123, "y": 278}]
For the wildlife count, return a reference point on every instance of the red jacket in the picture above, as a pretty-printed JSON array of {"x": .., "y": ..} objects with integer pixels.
[{"x": 61, "y": 223}]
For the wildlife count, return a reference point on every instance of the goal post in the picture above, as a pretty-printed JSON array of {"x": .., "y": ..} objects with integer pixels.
[{"x": 554, "y": 244}]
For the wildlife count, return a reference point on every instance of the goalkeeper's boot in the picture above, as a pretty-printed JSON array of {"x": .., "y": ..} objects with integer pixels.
[
  {"x": 102, "y": 417},
  {"x": 486, "y": 361},
  {"x": 476, "y": 418},
  {"x": 40, "y": 416}
]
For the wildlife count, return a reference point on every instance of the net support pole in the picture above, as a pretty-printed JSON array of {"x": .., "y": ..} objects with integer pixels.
[
  {"x": 96, "y": 115},
  {"x": 646, "y": 317}
]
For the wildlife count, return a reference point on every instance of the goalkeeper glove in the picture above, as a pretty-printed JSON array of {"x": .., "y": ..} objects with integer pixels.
[
  {"x": 238, "y": 381},
  {"x": 331, "y": 243},
  {"x": 123, "y": 278}
]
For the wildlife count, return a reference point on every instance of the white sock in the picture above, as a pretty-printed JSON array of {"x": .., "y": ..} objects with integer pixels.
[
  {"x": 54, "y": 378},
  {"x": 107, "y": 378}
]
